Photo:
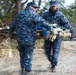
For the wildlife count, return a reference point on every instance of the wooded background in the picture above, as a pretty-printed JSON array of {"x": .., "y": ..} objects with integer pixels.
[{"x": 9, "y": 8}]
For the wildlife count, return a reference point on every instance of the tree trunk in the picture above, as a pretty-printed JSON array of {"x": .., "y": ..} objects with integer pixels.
[
  {"x": 18, "y": 5},
  {"x": 17, "y": 8},
  {"x": 39, "y": 3},
  {"x": 75, "y": 10}
]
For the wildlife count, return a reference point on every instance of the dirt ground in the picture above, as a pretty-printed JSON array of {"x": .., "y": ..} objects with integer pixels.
[{"x": 41, "y": 66}]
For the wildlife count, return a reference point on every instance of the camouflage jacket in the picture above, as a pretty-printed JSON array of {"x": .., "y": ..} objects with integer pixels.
[
  {"x": 25, "y": 26},
  {"x": 58, "y": 18}
]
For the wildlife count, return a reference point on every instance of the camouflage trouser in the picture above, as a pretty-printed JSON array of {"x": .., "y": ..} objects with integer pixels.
[
  {"x": 26, "y": 54},
  {"x": 52, "y": 50}
]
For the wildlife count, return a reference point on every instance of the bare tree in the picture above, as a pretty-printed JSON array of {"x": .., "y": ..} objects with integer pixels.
[
  {"x": 39, "y": 3},
  {"x": 22, "y": 4},
  {"x": 18, "y": 5},
  {"x": 75, "y": 10}
]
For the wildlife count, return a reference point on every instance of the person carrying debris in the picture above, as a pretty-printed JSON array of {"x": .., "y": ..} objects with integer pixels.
[
  {"x": 25, "y": 26},
  {"x": 52, "y": 48}
]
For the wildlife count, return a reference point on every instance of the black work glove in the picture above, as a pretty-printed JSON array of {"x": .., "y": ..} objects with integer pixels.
[{"x": 72, "y": 35}]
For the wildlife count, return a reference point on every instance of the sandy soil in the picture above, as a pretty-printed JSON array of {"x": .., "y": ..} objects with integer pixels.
[{"x": 41, "y": 66}]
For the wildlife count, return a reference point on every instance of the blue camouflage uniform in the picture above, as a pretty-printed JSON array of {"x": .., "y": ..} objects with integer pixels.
[
  {"x": 52, "y": 48},
  {"x": 25, "y": 26}
]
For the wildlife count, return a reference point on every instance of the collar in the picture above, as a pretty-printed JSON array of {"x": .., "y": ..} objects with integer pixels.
[{"x": 53, "y": 12}]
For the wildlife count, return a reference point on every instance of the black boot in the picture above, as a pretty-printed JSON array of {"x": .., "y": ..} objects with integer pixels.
[
  {"x": 22, "y": 71},
  {"x": 27, "y": 73},
  {"x": 53, "y": 68}
]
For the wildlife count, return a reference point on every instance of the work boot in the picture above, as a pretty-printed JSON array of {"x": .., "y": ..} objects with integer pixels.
[
  {"x": 27, "y": 73},
  {"x": 53, "y": 68},
  {"x": 22, "y": 71}
]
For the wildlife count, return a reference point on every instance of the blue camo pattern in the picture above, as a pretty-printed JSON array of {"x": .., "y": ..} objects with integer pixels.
[
  {"x": 25, "y": 26},
  {"x": 58, "y": 18},
  {"x": 26, "y": 54},
  {"x": 52, "y": 48}
]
